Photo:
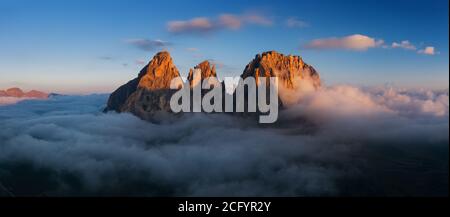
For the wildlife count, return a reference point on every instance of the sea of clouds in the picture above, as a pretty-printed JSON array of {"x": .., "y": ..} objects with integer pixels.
[
  {"x": 338, "y": 141},
  {"x": 7, "y": 100}
]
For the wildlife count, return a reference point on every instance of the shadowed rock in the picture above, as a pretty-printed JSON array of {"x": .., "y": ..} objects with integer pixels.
[{"x": 150, "y": 92}]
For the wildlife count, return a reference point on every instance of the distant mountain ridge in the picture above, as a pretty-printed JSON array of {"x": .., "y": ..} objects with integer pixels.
[{"x": 19, "y": 93}]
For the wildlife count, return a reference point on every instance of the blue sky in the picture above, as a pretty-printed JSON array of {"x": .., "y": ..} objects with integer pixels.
[{"x": 95, "y": 46}]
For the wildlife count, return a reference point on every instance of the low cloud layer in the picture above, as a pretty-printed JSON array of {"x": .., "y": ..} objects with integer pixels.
[
  {"x": 7, "y": 100},
  {"x": 201, "y": 25},
  {"x": 341, "y": 140}
]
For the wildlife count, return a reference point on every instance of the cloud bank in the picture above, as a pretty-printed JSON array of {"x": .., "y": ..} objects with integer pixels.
[
  {"x": 7, "y": 100},
  {"x": 341, "y": 140}
]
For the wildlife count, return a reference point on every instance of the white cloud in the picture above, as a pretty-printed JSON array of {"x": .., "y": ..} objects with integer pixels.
[
  {"x": 6, "y": 100},
  {"x": 294, "y": 22},
  {"x": 428, "y": 51},
  {"x": 333, "y": 138},
  {"x": 404, "y": 45},
  {"x": 356, "y": 42}
]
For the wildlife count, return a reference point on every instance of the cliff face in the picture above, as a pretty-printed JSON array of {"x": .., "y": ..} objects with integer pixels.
[
  {"x": 160, "y": 72},
  {"x": 294, "y": 75},
  {"x": 150, "y": 92},
  {"x": 207, "y": 70},
  {"x": 289, "y": 69}
]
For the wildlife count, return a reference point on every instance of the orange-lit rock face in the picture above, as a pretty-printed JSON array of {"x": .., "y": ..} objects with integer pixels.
[
  {"x": 207, "y": 70},
  {"x": 160, "y": 72},
  {"x": 36, "y": 94},
  {"x": 15, "y": 92},
  {"x": 149, "y": 94},
  {"x": 152, "y": 94},
  {"x": 289, "y": 69},
  {"x": 18, "y": 93}
]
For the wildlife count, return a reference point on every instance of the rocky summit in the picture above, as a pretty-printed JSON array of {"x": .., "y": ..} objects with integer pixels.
[
  {"x": 292, "y": 73},
  {"x": 149, "y": 94},
  {"x": 288, "y": 69},
  {"x": 206, "y": 69}
]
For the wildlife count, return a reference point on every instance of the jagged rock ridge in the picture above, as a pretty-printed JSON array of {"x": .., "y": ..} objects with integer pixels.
[{"x": 150, "y": 92}]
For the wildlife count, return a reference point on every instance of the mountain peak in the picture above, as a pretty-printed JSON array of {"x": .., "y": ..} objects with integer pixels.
[
  {"x": 159, "y": 72},
  {"x": 15, "y": 92},
  {"x": 150, "y": 92},
  {"x": 19, "y": 93},
  {"x": 207, "y": 70},
  {"x": 289, "y": 69}
]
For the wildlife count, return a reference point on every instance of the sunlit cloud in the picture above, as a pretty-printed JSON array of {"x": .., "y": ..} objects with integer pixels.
[
  {"x": 199, "y": 24},
  {"x": 429, "y": 50},
  {"x": 404, "y": 45},
  {"x": 222, "y": 22},
  {"x": 355, "y": 42},
  {"x": 230, "y": 21},
  {"x": 257, "y": 19}
]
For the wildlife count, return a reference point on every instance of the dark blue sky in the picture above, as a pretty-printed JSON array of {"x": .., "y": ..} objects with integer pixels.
[{"x": 93, "y": 46}]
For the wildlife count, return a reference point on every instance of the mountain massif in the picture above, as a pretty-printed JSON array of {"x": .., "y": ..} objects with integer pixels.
[{"x": 150, "y": 93}]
